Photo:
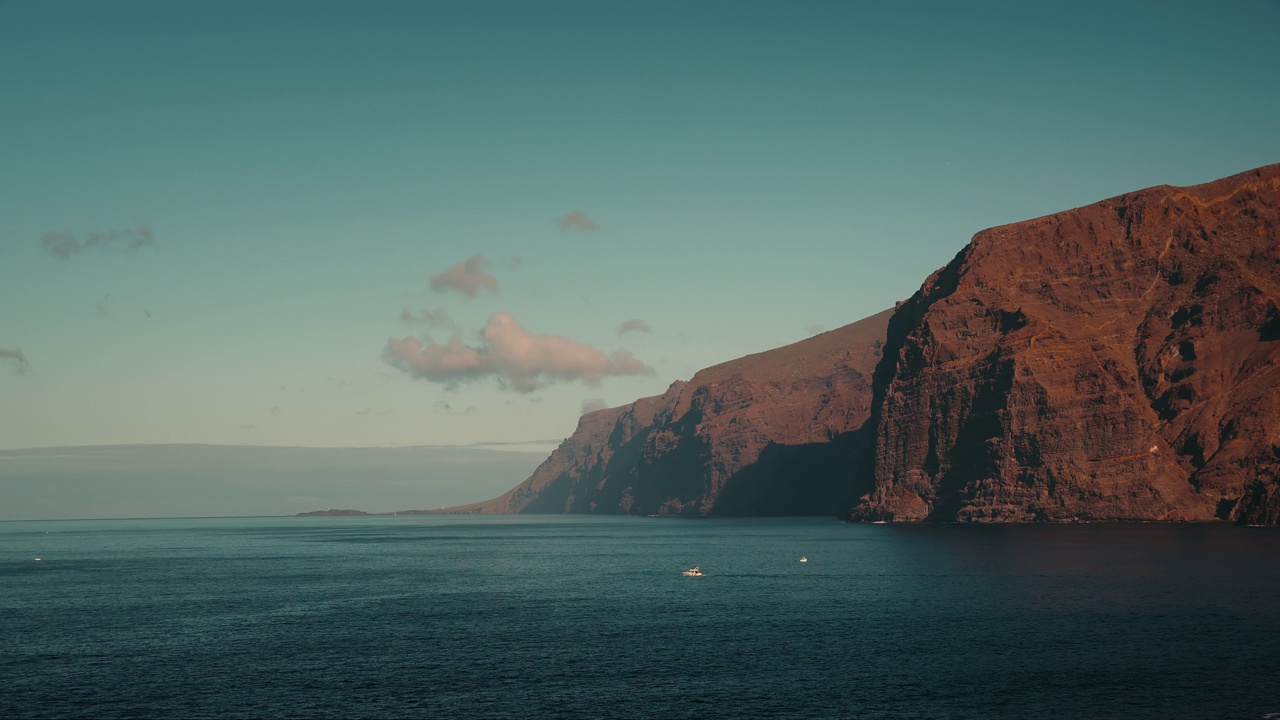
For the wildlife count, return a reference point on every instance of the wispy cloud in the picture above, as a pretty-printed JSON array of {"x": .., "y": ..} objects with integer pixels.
[
  {"x": 592, "y": 405},
  {"x": 815, "y": 329},
  {"x": 430, "y": 318},
  {"x": 15, "y": 359},
  {"x": 62, "y": 244},
  {"x": 576, "y": 220},
  {"x": 445, "y": 406},
  {"x": 519, "y": 359},
  {"x": 65, "y": 244},
  {"x": 466, "y": 277},
  {"x": 634, "y": 325}
]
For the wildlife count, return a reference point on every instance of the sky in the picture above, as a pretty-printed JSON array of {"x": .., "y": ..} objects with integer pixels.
[
  {"x": 136, "y": 481},
  {"x": 458, "y": 223}
]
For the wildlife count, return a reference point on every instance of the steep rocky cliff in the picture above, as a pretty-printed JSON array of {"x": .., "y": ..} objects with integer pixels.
[
  {"x": 775, "y": 433},
  {"x": 1119, "y": 361}
]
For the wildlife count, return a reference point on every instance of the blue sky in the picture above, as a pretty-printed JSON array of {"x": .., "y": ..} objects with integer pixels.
[{"x": 214, "y": 216}]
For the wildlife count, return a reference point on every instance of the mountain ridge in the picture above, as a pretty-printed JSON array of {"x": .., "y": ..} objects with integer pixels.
[{"x": 1116, "y": 361}]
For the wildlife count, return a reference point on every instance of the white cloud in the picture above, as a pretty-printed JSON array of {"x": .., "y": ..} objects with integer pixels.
[
  {"x": 519, "y": 359},
  {"x": 466, "y": 277},
  {"x": 576, "y": 220},
  {"x": 634, "y": 325}
]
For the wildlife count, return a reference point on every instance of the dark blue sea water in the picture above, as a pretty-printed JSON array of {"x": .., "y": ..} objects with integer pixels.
[{"x": 550, "y": 617}]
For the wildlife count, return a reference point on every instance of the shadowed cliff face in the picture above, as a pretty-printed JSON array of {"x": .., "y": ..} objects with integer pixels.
[
  {"x": 776, "y": 433},
  {"x": 1119, "y": 361}
]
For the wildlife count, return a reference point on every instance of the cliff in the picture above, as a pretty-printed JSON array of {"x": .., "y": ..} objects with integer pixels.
[
  {"x": 1120, "y": 361},
  {"x": 775, "y": 433}
]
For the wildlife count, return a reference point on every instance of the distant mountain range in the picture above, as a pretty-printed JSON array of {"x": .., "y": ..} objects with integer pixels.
[{"x": 1119, "y": 361}]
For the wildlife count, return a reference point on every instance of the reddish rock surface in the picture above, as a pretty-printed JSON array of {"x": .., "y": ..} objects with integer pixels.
[
  {"x": 1120, "y": 361},
  {"x": 775, "y": 433}
]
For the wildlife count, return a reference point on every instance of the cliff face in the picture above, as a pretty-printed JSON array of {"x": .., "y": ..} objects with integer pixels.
[
  {"x": 776, "y": 433},
  {"x": 1119, "y": 361}
]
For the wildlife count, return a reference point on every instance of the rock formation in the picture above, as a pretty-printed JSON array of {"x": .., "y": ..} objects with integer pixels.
[
  {"x": 1120, "y": 361},
  {"x": 775, "y": 433}
]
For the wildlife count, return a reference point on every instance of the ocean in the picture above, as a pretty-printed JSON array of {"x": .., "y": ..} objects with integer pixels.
[{"x": 590, "y": 617}]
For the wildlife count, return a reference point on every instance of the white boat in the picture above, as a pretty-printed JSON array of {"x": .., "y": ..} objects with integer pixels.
[
  {"x": 804, "y": 559},
  {"x": 694, "y": 571}
]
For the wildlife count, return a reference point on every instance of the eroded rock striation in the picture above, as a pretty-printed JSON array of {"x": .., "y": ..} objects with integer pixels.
[{"x": 1119, "y": 361}]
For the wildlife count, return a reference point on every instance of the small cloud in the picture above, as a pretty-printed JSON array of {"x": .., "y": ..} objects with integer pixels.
[
  {"x": 592, "y": 405},
  {"x": 65, "y": 244},
  {"x": 442, "y": 405},
  {"x": 101, "y": 306},
  {"x": 519, "y": 359},
  {"x": 430, "y": 318},
  {"x": 62, "y": 244},
  {"x": 274, "y": 410},
  {"x": 576, "y": 219},
  {"x": 15, "y": 359},
  {"x": 634, "y": 325},
  {"x": 145, "y": 236},
  {"x": 466, "y": 277},
  {"x": 514, "y": 261},
  {"x": 815, "y": 329},
  {"x": 362, "y": 413}
]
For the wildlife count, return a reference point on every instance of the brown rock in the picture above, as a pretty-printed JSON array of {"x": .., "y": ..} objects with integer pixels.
[
  {"x": 775, "y": 433},
  {"x": 1120, "y": 361}
]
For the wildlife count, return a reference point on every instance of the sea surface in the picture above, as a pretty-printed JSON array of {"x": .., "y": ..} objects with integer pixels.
[{"x": 588, "y": 617}]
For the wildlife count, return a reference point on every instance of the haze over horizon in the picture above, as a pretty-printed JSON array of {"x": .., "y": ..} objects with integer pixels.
[{"x": 383, "y": 224}]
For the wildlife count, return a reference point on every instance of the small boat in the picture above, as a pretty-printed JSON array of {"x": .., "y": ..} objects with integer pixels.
[
  {"x": 694, "y": 571},
  {"x": 804, "y": 559}
]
